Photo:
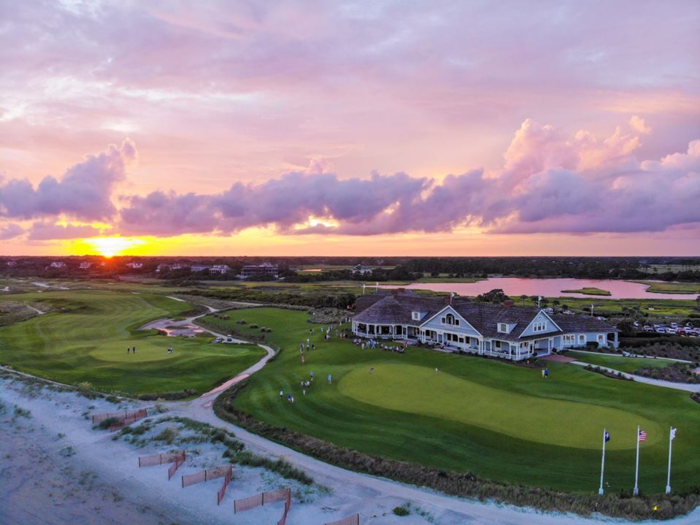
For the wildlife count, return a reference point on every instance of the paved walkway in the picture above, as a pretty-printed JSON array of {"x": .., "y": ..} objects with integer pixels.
[{"x": 646, "y": 380}]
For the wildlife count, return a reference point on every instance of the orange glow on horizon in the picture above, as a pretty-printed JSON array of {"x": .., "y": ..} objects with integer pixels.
[{"x": 110, "y": 246}]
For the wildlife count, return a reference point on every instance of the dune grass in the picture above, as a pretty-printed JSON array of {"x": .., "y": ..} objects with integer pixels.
[
  {"x": 495, "y": 419},
  {"x": 85, "y": 337}
]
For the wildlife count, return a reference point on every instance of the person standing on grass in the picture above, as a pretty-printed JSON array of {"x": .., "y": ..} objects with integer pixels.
[
  {"x": 281, "y": 394},
  {"x": 311, "y": 375},
  {"x": 134, "y": 349},
  {"x": 128, "y": 349},
  {"x": 330, "y": 379}
]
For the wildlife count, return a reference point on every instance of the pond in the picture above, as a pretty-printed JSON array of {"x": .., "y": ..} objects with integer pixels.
[{"x": 516, "y": 287}]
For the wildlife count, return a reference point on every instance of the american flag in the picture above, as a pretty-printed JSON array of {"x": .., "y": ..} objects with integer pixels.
[{"x": 642, "y": 435}]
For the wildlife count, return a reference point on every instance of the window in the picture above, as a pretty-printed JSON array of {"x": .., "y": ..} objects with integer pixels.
[
  {"x": 415, "y": 316},
  {"x": 581, "y": 338},
  {"x": 539, "y": 327},
  {"x": 503, "y": 328},
  {"x": 569, "y": 339},
  {"x": 601, "y": 337},
  {"x": 450, "y": 319}
]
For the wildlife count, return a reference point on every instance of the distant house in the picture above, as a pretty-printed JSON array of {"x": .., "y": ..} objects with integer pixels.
[
  {"x": 57, "y": 264},
  {"x": 162, "y": 268},
  {"x": 11, "y": 263},
  {"x": 197, "y": 268},
  {"x": 361, "y": 269},
  {"x": 178, "y": 266},
  {"x": 85, "y": 265},
  {"x": 135, "y": 265},
  {"x": 252, "y": 271},
  {"x": 220, "y": 269},
  {"x": 504, "y": 330}
]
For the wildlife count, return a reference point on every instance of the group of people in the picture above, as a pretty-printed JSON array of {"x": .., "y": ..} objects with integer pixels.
[
  {"x": 372, "y": 343},
  {"x": 545, "y": 373},
  {"x": 305, "y": 385},
  {"x": 171, "y": 350},
  {"x": 131, "y": 349}
]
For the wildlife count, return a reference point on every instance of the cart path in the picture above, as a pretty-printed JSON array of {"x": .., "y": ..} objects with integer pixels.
[{"x": 647, "y": 380}]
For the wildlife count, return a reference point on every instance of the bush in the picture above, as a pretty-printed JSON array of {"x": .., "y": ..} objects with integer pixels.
[
  {"x": 402, "y": 510},
  {"x": 106, "y": 423}
]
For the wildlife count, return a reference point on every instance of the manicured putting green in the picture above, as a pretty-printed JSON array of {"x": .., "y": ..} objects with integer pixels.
[
  {"x": 419, "y": 390},
  {"x": 493, "y": 418}
]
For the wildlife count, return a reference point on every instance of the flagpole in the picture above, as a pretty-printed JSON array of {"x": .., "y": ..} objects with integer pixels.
[
  {"x": 602, "y": 465},
  {"x": 636, "y": 470},
  {"x": 670, "y": 444}
]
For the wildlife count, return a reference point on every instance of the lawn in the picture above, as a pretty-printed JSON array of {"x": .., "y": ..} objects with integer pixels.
[
  {"x": 618, "y": 362},
  {"x": 86, "y": 336},
  {"x": 589, "y": 291},
  {"x": 495, "y": 419}
]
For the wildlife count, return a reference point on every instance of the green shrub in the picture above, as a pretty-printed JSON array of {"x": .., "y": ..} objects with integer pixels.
[
  {"x": 403, "y": 510},
  {"x": 106, "y": 423}
]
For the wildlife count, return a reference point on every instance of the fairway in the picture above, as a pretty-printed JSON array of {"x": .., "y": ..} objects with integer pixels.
[
  {"x": 419, "y": 390},
  {"x": 85, "y": 339},
  {"x": 493, "y": 418}
]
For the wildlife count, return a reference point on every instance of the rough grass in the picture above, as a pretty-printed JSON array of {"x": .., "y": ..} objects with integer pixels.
[
  {"x": 86, "y": 336},
  {"x": 618, "y": 362}
]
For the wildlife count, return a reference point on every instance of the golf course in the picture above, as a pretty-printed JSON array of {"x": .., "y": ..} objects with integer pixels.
[
  {"x": 496, "y": 419},
  {"x": 85, "y": 335}
]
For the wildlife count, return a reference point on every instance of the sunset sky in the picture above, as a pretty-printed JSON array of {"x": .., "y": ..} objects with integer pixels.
[{"x": 350, "y": 128}]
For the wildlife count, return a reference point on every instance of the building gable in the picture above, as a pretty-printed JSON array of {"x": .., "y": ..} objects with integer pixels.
[
  {"x": 459, "y": 324},
  {"x": 541, "y": 324}
]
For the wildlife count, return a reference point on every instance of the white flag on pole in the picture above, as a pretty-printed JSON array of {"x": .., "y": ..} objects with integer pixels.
[{"x": 673, "y": 433}]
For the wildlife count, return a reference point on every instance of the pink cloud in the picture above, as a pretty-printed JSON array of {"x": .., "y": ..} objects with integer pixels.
[{"x": 84, "y": 192}]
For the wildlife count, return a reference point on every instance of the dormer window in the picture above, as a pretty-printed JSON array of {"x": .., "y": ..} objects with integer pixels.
[
  {"x": 415, "y": 316},
  {"x": 503, "y": 328},
  {"x": 450, "y": 319}
]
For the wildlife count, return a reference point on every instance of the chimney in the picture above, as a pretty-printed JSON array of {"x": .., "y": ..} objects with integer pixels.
[{"x": 508, "y": 303}]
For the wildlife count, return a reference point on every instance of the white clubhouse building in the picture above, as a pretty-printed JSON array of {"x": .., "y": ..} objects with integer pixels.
[{"x": 498, "y": 330}]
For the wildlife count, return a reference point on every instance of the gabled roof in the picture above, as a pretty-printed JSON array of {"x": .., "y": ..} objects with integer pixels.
[{"x": 483, "y": 317}]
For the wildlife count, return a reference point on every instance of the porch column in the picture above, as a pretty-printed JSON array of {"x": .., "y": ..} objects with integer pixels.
[{"x": 615, "y": 341}]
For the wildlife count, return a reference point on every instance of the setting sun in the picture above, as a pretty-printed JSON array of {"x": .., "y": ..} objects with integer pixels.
[{"x": 111, "y": 246}]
